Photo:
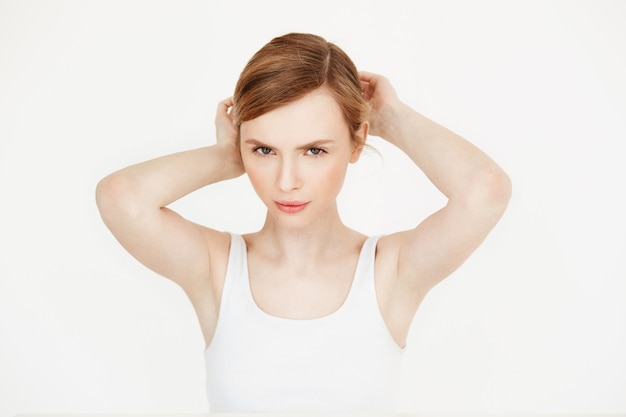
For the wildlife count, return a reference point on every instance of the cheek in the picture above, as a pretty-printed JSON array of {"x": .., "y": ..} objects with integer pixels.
[
  {"x": 258, "y": 175},
  {"x": 331, "y": 175}
]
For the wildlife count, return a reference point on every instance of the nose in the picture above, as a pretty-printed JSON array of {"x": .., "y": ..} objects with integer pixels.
[{"x": 288, "y": 177}]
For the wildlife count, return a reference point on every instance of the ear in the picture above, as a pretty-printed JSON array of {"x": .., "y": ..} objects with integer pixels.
[{"x": 359, "y": 138}]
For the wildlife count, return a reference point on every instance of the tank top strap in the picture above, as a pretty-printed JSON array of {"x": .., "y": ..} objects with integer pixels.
[
  {"x": 363, "y": 291},
  {"x": 236, "y": 271},
  {"x": 364, "y": 274}
]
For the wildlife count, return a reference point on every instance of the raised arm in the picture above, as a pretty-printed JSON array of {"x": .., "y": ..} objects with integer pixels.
[
  {"x": 477, "y": 189},
  {"x": 133, "y": 200}
]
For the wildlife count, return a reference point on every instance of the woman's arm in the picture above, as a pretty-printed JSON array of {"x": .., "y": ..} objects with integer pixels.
[
  {"x": 132, "y": 203},
  {"x": 477, "y": 189}
]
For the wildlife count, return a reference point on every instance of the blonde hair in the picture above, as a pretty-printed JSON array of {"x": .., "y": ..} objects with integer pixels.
[{"x": 290, "y": 66}]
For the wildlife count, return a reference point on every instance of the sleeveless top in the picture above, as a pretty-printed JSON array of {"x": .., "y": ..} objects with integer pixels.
[{"x": 346, "y": 361}]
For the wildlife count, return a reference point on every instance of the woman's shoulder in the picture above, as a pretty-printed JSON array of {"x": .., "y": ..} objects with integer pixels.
[
  {"x": 392, "y": 242},
  {"x": 388, "y": 248},
  {"x": 218, "y": 249}
]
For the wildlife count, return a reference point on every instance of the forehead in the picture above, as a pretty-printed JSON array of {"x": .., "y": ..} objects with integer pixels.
[{"x": 316, "y": 115}]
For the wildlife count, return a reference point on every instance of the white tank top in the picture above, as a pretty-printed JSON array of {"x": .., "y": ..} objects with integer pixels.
[{"x": 343, "y": 362}]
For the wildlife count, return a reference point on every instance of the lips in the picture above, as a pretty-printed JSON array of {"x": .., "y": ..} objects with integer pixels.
[{"x": 291, "y": 207}]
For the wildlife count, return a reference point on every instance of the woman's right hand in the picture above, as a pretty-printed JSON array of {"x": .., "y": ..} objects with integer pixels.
[
  {"x": 134, "y": 204},
  {"x": 226, "y": 133}
]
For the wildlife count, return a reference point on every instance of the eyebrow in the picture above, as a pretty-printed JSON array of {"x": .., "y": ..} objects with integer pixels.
[{"x": 315, "y": 144}]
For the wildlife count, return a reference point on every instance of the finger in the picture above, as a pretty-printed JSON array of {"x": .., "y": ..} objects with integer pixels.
[
  {"x": 366, "y": 76},
  {"x": 225, "y": 109},
  {"x": 367, "y": 89},
  {"x": 368, "y": 83},
  {"x": 225, "y": 105},
  {"x": 227, "y": 101}
]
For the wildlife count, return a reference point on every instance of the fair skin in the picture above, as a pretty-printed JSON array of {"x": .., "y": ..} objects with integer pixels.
[{"x": 303, "y": 259}]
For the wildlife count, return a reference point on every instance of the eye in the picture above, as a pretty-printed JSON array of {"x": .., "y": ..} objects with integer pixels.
[
  {"x": 315, "y": 151},
  {"x": 263, "y": 150}
]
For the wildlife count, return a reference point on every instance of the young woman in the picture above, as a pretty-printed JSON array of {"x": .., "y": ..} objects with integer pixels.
[{"x": 305, "y": 314}]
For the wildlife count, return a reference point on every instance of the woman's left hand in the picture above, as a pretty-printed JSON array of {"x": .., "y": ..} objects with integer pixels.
[{"x": 382, "y": 97}]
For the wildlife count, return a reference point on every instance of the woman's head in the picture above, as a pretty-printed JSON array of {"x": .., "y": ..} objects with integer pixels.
[{"x": 293, "y": 65}]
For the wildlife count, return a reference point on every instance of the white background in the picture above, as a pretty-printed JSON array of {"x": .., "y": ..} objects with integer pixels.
[{"x": 535, "y": 321}]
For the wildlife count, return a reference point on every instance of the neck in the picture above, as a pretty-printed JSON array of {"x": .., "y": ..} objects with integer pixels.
[{"x": 311, "y": 242}]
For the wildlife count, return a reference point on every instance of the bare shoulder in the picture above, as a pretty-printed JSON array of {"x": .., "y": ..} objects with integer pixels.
[
  {"x": 387, "y": 263},
  {"x": 402, "y": 263},
  {"x": 388, "y": 250},
  {"x": 397, "y": 301},
  {"x": 218, "y": 247},
  {"x": 205, "y": 294}
]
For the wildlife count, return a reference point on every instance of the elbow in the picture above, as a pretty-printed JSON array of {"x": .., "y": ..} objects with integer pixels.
[
  {"x": 108, "y": 195},
  {"x": 499, "y": 187},
  {"x": 490, "y": 191},
  {"x": 114, "y": 198}
]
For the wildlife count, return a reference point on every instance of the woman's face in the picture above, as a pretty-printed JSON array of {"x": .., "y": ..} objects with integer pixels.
[{"x": 296, "y": 157}]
